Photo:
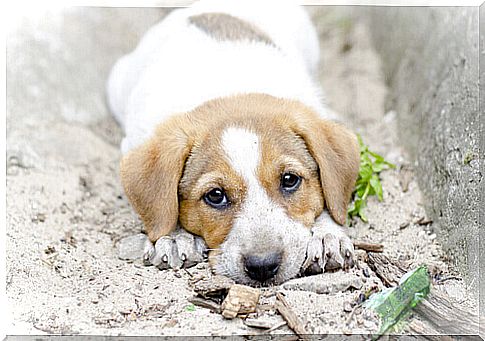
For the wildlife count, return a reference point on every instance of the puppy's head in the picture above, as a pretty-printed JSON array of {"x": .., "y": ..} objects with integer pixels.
[{"x": 249, "y": 174}]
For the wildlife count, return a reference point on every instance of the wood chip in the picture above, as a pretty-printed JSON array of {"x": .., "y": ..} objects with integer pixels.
[
  {"x": 369, "y": 247},
  {"x": 241, "y": 299},
  {"x": 289, "y": 316}
]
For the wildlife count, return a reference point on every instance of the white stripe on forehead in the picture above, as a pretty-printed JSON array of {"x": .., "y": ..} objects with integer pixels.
[{"x": 242, "y": 150}]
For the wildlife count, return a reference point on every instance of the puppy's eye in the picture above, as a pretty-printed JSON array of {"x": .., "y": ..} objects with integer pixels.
[
  {"x": 290, "y": 182},
  {"x": 216, "y": 198}
]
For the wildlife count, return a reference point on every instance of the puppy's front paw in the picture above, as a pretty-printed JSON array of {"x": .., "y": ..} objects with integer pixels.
[
  {"x": 180, "y": 249},
  {"x": 329, "y": 248}
]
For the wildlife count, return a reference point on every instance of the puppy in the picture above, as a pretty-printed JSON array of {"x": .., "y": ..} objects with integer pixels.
[{"x": 228, "y": 145}]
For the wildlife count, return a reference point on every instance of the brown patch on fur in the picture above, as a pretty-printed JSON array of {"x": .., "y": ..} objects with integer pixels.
[
  {"x": 161, "y": 177},
  {"x": 282, "y": 151},
  {"x": 221, "y": 26},
  {"x": 336, "y": 151},
  {"x": 207, "y": 169}
]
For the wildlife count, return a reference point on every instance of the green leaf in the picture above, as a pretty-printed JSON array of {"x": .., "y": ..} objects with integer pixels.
[
  {"x": 376, "y": 185},
  {"x": 368, "y": 182},
  {"x": 365, "y": 173},
  {"x": 361, "y": 190},
  {"x": 363, "y": 216},
  {"x": 378, "y": 167}
]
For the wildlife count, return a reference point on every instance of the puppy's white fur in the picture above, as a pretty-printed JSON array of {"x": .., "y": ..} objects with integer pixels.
[{"x": 177, "y": 67}]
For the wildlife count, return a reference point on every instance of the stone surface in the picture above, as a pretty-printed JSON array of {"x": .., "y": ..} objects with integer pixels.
[
  {"x": 482, "y": 164},
  {"x": 430, "y": 61}
]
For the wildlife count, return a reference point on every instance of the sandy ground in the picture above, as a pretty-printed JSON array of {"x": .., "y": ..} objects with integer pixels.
[{"x": 66, "y": 210}]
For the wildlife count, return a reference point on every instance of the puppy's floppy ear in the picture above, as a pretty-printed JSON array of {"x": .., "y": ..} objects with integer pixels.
[
  {"x": 150, "y": 175},
  {"x": 336, "y": 151}
]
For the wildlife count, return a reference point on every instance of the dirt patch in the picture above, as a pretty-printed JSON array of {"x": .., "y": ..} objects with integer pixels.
[{"x": 66, "y": 209}]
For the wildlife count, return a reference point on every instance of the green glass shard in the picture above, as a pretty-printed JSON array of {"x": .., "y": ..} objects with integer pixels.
[{"x": 393, "y": 305}]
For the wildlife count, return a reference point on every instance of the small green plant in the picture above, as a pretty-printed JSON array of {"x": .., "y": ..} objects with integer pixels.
[
  {"x": 368, "y": 182},
  {"x": 190, "y": 307},
  {"x": 469, "y": 157}
]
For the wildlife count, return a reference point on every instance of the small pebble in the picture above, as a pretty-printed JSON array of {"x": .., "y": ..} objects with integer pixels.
[
  {"x": 347, "y": 307},
  {"x": 347, "y": 331},
  {"x": 361, "y": 298}
]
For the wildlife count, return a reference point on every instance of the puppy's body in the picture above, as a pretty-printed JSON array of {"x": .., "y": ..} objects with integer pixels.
[
  {"x": 226, "y": 138},
  {"x": 180, "y": 64}
]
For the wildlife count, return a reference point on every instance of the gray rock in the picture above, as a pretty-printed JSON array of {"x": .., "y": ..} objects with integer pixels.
[
  {"x": 132, "y": 247},
  {"x": 326, "y": 283}
]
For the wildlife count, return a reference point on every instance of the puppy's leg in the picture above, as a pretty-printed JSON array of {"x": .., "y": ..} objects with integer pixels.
[
  {"x": 179, "y": 249},
  {"x": 329, "y": 247}
]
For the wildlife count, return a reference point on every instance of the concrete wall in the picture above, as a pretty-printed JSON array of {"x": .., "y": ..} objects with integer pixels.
[
  {"x": 482, "y": 164},
  {"x": 431, "y": 61}
]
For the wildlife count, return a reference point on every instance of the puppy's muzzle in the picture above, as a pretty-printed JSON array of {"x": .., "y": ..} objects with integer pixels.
[{"x": 262, "y": 267}]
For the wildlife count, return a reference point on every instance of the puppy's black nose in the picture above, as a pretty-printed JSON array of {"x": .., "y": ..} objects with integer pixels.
[{"x": 262, "y": 268}]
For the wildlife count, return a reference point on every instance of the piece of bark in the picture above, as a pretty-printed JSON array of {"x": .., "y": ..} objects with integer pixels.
[
  {"x": 214, "y": 287},
  {"x": 389, "y": 271},
  {"x": 240, "y": 300},
  {"x": 204, "y": 303},
  {"x": 418, "y": 327},
  {"x": 447, "y": 317},
  {"x": 369, "y": 247},
  {"x": 289, "y": 316}
]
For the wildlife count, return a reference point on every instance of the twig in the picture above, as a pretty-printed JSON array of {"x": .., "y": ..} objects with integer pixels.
[
  {"x": 352, "y": 313},
  {"x": 369, "y": 247},
  {"x": 257, "y": 323},
  {"x": 277, "y": 326},
  {"x": 442, "y": 280},
  {"x": 289, "y": 316},
  {"x": 205, "y": 304}
]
